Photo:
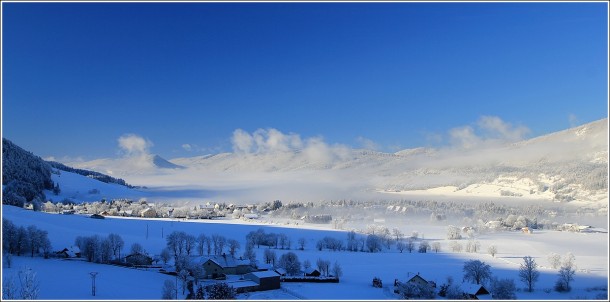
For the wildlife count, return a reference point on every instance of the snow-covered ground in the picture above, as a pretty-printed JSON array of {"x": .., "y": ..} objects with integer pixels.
[{"x": 60, "y": 279}]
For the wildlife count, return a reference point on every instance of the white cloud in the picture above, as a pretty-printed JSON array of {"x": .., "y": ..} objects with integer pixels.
[
  {"x": 242, "y": 141},
  {"x": 496, "y": 128},
  {"x": 490, "y": 130},
  {"x": 187, "y": 147},
  {"x": 464, "y": 137},
  {"x": 269, "y": 141},
  {"x": 134, "y": 145}
]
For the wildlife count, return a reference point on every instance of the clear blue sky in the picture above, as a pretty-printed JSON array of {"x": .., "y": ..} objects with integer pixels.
[{"x": 78, "y": 76}]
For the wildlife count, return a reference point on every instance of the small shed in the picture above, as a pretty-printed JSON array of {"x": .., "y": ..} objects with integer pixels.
[
  {"x": 267, "y": 280},
  {"x": 312, "y": 272}
]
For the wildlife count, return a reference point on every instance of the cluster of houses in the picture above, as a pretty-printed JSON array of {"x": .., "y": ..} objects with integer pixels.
[{"x": 469, "y": 291}]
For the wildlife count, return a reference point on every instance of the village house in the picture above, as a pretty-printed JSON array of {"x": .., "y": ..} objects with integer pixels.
[
  {"x": 219, "y": 266},
  {"x": 69, "y": 252},
  {"x": 416, "y": 279},
  {"x": 149, "y": 213},
  {"x": 138, "y": 259},
  {"x": 475, "y": 292}
]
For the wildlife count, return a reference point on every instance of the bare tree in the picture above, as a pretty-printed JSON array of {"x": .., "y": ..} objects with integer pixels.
[
  {"x": 424, "y": 246},
  {"x": 436, "y": 246},
  {"x": 290, "y": 262},
  {"x": 307, "y": 264},
  {"x": 233, "y": 246},
  {"x": 400, "y": 246},
  {"x": 116, "y": 244},
  {"x": 336, "y": 270},
  {"x": 189, "y": 243},
  {"x": 566, "y": 275},
  {"x": 397, "y": 234},
  {"x": 456, "y": 246},
  {"x": 269, "y": 256},
  {"x": 9, "y": 289},
  {"x": 169, "y": 290},
  {"x": 137, "y": 248},
  {"x": 201, "y": 243},
  {"x": 492, "y": 250},
  {"x": 453, "y": 232},
  {"x": 165, "y": 255},
  {"x": 410, "y": 245},
  {"x": 476, "y": 271},
  {"x": 29, "y": 284},
  {"x": 528, "y": 272},
  {"x": 554, "y": 260},
  {"x": 183, "y": 276},
  {"x": 302, "y": 243}
]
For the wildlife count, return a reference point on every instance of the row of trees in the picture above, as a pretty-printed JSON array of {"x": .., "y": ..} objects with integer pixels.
[
  {"x": 24, "y": 176},
  {"x": 103, "y": 249},
  {"x": 21, "y": 240}
]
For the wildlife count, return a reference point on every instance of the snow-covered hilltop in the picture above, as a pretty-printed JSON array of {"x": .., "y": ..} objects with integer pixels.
[{"x": 570, "y": 165}]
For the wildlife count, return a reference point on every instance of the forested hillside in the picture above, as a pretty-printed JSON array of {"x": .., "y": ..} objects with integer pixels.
[{"x": 24, "y": 175}]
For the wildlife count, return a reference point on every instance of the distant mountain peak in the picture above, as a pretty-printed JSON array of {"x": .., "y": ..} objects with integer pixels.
[{"x": 160, "y": 162}]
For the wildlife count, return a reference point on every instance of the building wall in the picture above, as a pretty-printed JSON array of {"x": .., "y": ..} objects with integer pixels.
[
  {"x": 269, "y": 283},
  {"x": 212, "y": 269}
]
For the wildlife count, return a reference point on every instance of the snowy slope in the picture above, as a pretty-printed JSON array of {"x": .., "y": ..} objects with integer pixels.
[
  {"x": 359, "y": 268},
  {"x": 78, "y": 188}
]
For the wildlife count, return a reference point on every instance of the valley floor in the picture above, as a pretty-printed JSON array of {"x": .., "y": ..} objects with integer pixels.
[{"x": 61, "y": 279}]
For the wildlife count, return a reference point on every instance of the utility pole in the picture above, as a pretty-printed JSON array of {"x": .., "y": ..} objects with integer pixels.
[
  {"x": 93, "y": 274},
  {"x": 161, "y": 232},
  {"x": 147, "y": 231}
]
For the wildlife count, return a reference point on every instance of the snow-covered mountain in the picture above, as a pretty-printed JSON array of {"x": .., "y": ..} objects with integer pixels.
[{"x": 562, "y": 166}]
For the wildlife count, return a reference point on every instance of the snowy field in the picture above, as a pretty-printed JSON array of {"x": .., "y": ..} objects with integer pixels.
[{"x": 61, "y": 279}]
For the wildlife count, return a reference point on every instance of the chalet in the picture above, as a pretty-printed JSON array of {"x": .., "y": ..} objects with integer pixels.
[
  {"x": 105, "y": 213},
  {"x": 312, "y": 272},
  {"x": 138, "y": 259},
  {"x": 267, "y": 280},
  {"x": 475, "y": 292},
  {"x": 149, "y": 213},
  {"x": 69, "y": 252},
  {"x": 28, "y": 206},
  {"x": 217, "y": 266},
  {"x": 416, "y": 279},
  {"x": 68, "y": 212}
]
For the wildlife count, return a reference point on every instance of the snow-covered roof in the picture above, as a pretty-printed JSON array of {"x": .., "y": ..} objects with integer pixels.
[
  {"x": 281, "y": 271},
  {"x": 227, "y": 261},
  {"x": 311, "y": 270},
  {"x": 265, "y": 274},
  {"x": 470, "y": 288}
]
